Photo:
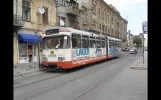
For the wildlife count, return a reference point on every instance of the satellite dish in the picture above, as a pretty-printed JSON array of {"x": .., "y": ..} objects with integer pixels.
[
  {"x": 41, "y": 10},
  {"x": 62, "y": 23}
]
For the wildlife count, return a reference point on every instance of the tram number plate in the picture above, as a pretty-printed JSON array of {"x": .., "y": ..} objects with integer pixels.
[{"x": 51, "y": 52}]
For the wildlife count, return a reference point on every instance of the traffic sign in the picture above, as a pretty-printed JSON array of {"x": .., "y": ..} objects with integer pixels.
[{"x": 145, "y": 27}]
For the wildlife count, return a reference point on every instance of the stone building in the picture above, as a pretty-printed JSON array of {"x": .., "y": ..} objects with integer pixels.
[{"x": 26, "y": 35}]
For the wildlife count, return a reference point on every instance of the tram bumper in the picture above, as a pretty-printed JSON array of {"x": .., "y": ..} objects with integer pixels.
[{"x": 47, "y": 64}]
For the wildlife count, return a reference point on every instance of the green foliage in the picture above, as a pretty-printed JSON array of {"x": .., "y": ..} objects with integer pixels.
[{"x": 137, "y": 41}]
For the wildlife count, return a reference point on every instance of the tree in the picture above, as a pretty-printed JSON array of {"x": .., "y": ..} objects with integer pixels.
[{"x": 137, "y": 41}]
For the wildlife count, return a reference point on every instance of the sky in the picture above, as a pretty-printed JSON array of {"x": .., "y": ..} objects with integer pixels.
[{"x": 135, "y": 11}]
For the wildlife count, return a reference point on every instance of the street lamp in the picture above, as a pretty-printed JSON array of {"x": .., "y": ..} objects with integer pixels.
[
  {"x": 41, "y": 11},
  {"x": 38, "y": 47}
]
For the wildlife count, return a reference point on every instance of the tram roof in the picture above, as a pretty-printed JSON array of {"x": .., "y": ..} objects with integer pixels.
[
  {"x": 76, "y": 31},
  {"x": 113, "y": 38},
  {"x": 83, "y": 32}
]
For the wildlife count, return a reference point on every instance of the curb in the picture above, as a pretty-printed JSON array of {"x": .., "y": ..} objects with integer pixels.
[
  {"x": 24, "y": 75},
  {"x": 138, "y": 65},
  {"x": 139, "y": 68}
]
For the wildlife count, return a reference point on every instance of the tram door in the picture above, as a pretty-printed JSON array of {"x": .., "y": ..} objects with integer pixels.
[
  {"x": 106, "y": 47},
  {"x": 114, "y": 47}
]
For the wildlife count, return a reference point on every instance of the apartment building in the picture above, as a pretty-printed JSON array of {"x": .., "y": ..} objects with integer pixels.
[
  {"x": 27, "y": 34},
  {"x": 107, "y": 19},
  {"x": 74, "y": 13}
]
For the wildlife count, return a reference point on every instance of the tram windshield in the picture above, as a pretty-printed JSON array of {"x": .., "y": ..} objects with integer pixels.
[{"x": 56, "y": 42}]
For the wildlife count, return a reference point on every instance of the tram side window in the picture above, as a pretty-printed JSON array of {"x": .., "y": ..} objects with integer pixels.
[
  {"x": 68, "y": 43},
  {"x": 92, "y": 42},
  {"x": 98, "y": 43},
  {"x": 103, "y": 44},
  {"x": 116, "y": 44},
  {"x": 85, "y": 43},
  {"x": 120, "y": 45},
  {"x": 76, "y": 41},
  {"x": 110, "y": 44}
]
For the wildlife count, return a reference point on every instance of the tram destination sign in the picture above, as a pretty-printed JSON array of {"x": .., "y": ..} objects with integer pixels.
[{"x": 52, "y": 31}]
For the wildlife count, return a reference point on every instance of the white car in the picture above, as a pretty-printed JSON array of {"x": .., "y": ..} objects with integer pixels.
[{"x": 133, "y": 51}]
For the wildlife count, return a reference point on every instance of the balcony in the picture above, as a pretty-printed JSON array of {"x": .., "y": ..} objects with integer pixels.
[
  {"x": 71, "y": 10},
  {"x": 17, "y": 21}
]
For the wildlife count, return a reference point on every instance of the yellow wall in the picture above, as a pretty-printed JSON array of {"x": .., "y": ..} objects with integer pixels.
[
  {"x": 36, "y": 17},
  {"x": 36, "y": 20},
  {"x": 15, "y": 49}
]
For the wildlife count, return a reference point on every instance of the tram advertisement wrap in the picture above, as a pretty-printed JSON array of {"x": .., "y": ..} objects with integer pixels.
[
  {"x": 83, "y": 52},
  {"x": 98, "y": 52}
]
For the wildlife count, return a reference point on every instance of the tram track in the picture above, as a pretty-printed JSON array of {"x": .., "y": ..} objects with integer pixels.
[
  {"x": 29, "y": 97},
  {"x": 39, "y": 80},
  {"x": 59, "y": 85},
  {"x": 92, "y": 87},
  {"x": 53, "y": 76}
]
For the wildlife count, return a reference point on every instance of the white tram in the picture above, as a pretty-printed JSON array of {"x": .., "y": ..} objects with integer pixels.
[{"x": 67, "y": 48}]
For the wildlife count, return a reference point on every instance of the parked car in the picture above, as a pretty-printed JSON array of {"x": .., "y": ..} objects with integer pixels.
[
  {"x": 125, "y": 49},
  {"x": 133, "y": 51}
]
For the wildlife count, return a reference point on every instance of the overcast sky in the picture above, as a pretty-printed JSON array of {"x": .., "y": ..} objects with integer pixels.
[{"x": 135, "y": 11}]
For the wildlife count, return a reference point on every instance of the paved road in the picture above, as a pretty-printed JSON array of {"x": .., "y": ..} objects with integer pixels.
[{"x": 71, "y": 86}]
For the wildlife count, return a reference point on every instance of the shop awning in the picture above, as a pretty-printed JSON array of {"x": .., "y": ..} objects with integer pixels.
[{"x": 28, "y": 38}]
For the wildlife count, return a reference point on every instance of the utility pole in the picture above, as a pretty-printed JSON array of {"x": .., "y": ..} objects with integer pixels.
[
  {"x": 129, "y": 38},
  {"x": 143, "y": 48}
]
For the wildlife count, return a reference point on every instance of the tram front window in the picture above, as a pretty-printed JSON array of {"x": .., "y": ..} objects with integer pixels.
[{"x": 57, "y": 42}]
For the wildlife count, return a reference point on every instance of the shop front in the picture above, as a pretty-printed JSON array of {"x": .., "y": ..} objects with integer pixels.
[{"x": 28, "y": 58}]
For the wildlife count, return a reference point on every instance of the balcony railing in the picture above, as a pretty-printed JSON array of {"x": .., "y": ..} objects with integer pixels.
[
  {"x": 17, "y": 20},
  {"x": 71, "y": 10}
]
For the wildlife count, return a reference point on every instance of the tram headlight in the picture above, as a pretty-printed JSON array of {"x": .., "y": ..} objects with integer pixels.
[
  {"x": 61, "y": 58},
  {"x": 45, "y": 59}
]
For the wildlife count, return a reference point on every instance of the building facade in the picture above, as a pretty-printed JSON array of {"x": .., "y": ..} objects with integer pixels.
[
  {"x": 73, "y": 13},
  {"x": 107, "y": 20},
  {"x": 94, "y": 15},
  {"x": 27, "y": 55}
]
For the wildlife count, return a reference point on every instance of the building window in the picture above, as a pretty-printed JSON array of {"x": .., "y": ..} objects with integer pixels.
[
  {"x": 108, "y": 18},
  {"x": 26, "y": 10},
  {"x": 62, "y": 2},
  {"x": 100, "y": 27},
  {"x": 99, "y": 11},
  {"x": 112, "y": 21},
  {"x": 23, "y": 49},
  {"x": 62, "y": 18},
  {"x": 45, "y": 16}
]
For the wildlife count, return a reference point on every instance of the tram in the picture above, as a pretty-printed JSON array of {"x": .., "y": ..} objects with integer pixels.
[{"x": 66, "y": 47}]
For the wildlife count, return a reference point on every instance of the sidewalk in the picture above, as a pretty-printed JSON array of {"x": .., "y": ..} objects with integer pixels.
[
  {"x": 31, "y": 73},
  {"x": 129, "y": 84}
]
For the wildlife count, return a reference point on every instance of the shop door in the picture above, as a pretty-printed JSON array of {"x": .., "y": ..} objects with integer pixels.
[{"x": 32, "y": 52}]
